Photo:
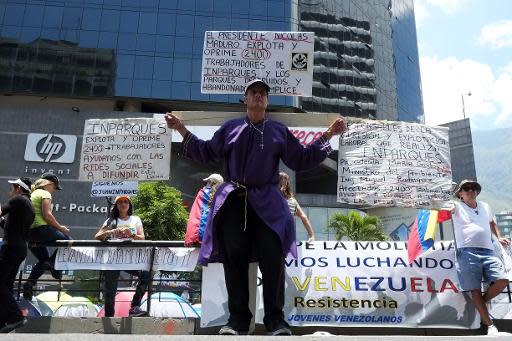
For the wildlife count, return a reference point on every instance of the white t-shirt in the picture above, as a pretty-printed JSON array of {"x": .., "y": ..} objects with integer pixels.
[
  {"x": 471, "y": 225},
  {"x": 133, "y": 223},
  {"x": 292, "y": 205}
]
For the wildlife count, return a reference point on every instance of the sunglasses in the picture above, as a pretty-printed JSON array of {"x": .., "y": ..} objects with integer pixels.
[
  {"x": 467, "y": 189},
  {"x": 123, "y": 202}
]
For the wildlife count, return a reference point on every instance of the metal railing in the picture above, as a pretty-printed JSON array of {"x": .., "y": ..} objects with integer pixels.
[{"x": 113, "y": 243}]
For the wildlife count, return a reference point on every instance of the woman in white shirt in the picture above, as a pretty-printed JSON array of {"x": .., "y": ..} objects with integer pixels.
[
  {"x": 295, "y": 209},
  {"x": 123, "y": 225}
]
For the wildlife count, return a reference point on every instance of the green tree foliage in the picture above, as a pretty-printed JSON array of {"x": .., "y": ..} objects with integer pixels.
[
  {"x": 161, "y": 210},
  {"x": 357, "y": 227}
]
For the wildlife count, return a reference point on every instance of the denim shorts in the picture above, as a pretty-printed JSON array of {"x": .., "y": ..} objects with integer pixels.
[{"x": 475, "y": 263}]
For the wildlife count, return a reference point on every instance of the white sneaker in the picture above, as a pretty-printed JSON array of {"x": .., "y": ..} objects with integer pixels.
[{"x": 492, "y": 330}]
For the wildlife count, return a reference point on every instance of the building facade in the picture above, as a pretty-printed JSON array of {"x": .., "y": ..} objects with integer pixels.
[{"x": 62, "y": 62}]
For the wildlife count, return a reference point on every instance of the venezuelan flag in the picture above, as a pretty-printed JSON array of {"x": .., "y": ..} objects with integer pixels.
[{"x": 423, "y": 231}]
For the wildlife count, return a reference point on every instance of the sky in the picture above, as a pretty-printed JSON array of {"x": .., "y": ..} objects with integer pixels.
[{"x": 465, "y": 50}]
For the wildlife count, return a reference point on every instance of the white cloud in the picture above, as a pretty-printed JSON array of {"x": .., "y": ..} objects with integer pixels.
[
  {"x": 445, "y": 80},
  {"x": 420, "y": 12},
  {"x": 448, "y": 6},
  {"x": 497, "y": 35}
]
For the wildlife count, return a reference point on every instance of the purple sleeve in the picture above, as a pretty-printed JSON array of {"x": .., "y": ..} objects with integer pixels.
[
  {"x": 298, "y": 157},
  {"x": 203, "y": 151}
]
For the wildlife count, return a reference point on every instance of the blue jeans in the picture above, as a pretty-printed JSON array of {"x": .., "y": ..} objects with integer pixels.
[
  {"x": 43, "y": 234},
  {"x": 474, "y": 263}
]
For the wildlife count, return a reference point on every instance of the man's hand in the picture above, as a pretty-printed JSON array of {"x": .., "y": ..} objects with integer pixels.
[
  {"x": 504, "y": 241},
  {"x": 174, "y": 122},
  {"x": 337, "y": 127}
]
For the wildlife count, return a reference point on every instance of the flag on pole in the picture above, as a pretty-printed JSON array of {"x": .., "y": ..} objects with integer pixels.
[{"x": 424, "y": 230}]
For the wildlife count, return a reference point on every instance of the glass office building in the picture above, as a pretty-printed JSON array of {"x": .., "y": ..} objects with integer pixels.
[{"x": 63, "y": 61}]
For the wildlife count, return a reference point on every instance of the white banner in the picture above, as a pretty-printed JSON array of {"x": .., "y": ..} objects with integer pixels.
[
  {"x": 114, "y": 188},
  {"x": 126, "y": 258},
  {"x": 385, "y": 163},
  {"x": 284, "y": 60},
  {"x": 362, "y": 284},
  {"x": 125, "y": 149}
]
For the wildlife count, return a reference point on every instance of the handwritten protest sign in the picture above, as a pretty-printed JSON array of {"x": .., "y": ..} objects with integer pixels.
[
  {"x": 125, "y": 149},
  {"x": 284, "y": 60},
  {"x": 126, "y": 258},
  {"x": 383, "y": 163},
  {"x": 113, "y": 188}
]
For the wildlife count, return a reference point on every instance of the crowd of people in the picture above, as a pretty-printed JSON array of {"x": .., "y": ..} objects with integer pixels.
[{"x": 245, "y": 216}]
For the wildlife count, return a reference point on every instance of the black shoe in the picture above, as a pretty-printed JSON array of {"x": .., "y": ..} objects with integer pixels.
[
  {"x": 28, "y": 291},
  {"x": 57, "y": 274},
  {"x": 9, "y": 327},
  {"x": 281, "y": 330},
  {"x": 136, "y": 311}
]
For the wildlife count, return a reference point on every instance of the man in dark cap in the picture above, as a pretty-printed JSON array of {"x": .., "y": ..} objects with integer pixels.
[
  {"x": 474, "y": 224},
  {"x": 250, "y": 219},
  {"x": 17, "y": 216}
]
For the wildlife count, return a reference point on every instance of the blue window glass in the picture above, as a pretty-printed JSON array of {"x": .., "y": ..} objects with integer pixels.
[
  {"x": 53, "y": 16},
  {"x": 125, "y": 65},
  {"x": 71, "y": 35},
  {"x": 166, "y": 23},
  {"x": 196, "y": 70},
  {"x": 141, "y": 88},
  {"x": 89, "y": 39},
  {"x": 110, "y": 20},
  {"x": 164, "y": 44},
  {"x": 181, "y": 70},
  {"x": 33, "y": 16},
  {"x": 112, "y": 3},
  {"x": 123, "y": 87},
  {"x": 221, "y": 24},
  {"x": 258, "y": 25},
  {"x": 204, "y": 6},
  {"x": 276, "y": 9},
  {"x": 163, "y": 69},
  {"x": 143, "y": 67},
  {"x": 149, "y": 4},
  {"x": 182, "y": 47},
  {"x": 72, "y": 18},
  {"x": 91, "y": 19},
  {"x": 161, "y": 89},
  {"x": 258, "y": 8},
  {"x": 168, "y": 4},
  {"x": 29, "y": 34},
  {"x": 14, "y": 15},
  {"x": 239, "y": 24},
  {"x": 50, "y": 33},
  {"x": 2, "y": 12},
  {"x": 129, "y": 21},
  {"x": 107, "y": 40},
  {"x": 187, "y": 5},
  {"x": 240, "y": 7},
  {"x": 202, "y": 24},
  {"x": 181, "y": 90},
  {"x": 185, "y": 25},
  {"x": 219, "y": 98},
  {"x": 147, "y": 23},
  {"x": 126, "y": 41},
  {"x": 198, "y": 47},
  {"x": 146, "y": 42},
  {"x": 223, "y": 6},
  {"x": 131, "y": 3},
  {"x": 195, "y": 93}
]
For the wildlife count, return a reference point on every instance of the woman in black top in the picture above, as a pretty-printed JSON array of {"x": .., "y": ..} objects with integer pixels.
[{"x": 17, "y": 216}]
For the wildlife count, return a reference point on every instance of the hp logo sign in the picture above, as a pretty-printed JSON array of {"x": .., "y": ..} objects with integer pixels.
[{"x": 50, "y": 148}]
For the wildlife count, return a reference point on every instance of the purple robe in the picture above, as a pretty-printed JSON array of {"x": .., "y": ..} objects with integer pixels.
[{"x": 246, "y": 163}]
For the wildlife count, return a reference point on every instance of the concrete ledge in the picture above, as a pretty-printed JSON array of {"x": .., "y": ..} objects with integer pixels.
[{"x": 106, "y": 325}]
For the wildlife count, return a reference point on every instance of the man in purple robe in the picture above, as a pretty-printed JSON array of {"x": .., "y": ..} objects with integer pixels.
[{"x": 250, "y": 219}]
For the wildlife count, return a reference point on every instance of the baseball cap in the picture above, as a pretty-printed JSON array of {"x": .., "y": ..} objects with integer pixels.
[
  {"x": 20, "y": 183},
  {"x": 254, "y": 82},
  {"x": 215, "y": 178},
  {"x": 121, "y": 197},
  {"x": 467, "y": 182},
  {"x": 53, "y": 178}
]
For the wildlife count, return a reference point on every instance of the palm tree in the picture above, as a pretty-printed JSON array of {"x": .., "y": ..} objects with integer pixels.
[{"x": 357, "y": 227}]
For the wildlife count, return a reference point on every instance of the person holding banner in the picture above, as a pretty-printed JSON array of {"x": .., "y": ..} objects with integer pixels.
[
  {"x": 19, "y": 215},
  {"x": 45, "y": 228},
  {"x": 250, "y": 219},
  {"x": 123, "y": 225},
  {"x": 295, "y": 209},
  {"x": 474, "y": 226}
]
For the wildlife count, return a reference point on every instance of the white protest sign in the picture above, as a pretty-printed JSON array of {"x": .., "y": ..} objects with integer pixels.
[
  {"x": 125, "y": 149},
  {"x": 384, "y": 163},
  {"x": 113, "y": 188},
  {"x": 283, "y": 60},
  {"x": 126, "y": 258}
]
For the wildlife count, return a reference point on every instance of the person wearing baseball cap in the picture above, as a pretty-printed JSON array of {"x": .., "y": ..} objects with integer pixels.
[
  {"x": 122, "y": 224},
  {"x": 45, "y": 228},
  {"x": 251, "y": 220},
  {"x": 475, "y": 228},
  {"x": 17, "y": 217}
]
